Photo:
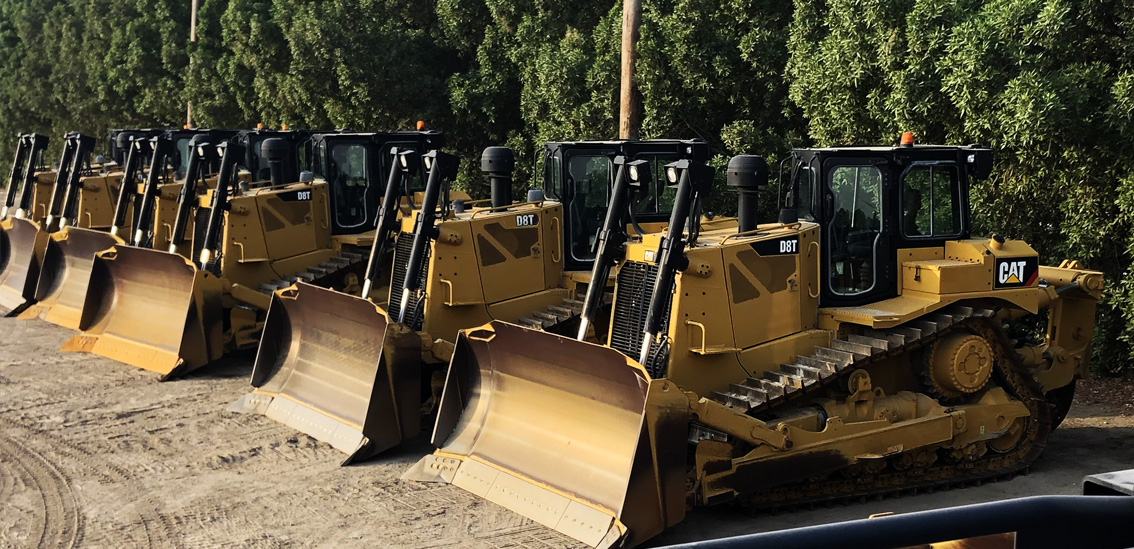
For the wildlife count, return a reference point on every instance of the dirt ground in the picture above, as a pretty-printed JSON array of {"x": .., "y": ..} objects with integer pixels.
[{"x": 97, "y": 454}]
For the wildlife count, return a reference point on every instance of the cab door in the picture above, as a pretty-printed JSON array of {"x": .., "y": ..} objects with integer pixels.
[
  {"x": 587, "y": 177},
  {"x": 858, "y": 266}
]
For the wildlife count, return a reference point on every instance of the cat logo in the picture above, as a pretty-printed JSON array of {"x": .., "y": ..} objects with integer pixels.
[{"x": 1016, "y": 272}]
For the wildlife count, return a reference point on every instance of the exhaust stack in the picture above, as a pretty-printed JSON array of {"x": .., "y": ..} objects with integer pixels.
[
  {"x": 498, "y": 164},
  {"x": 747, "y": 174},
  {"x": 276, "y": 151}
]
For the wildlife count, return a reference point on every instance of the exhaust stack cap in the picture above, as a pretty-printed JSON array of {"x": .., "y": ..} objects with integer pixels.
[
  {"x": 275, "y": 151},
  {"x": 306, "y": 176},
  {"x": 497, "y": 160},
  {"x": 747, "y": 174},
  {"x": 535, "y": 195},
  {"x": 498, "y": 163},
  {"x": 123, "y": 139}
]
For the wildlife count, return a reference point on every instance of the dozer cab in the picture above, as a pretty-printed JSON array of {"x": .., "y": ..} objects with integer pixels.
[
  {"x": 120, "y": 140},
  {"x": 358, "y": 372},
  {"x": 255, "y": 238},
  {"x": 185, "y": 139},
  {"x": 858, "y": 347}
]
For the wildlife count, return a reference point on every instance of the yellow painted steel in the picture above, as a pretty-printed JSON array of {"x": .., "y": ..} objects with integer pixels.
[
  {"x": 22, "y": 245},
  {"x": 25, "y": 279},
  {"x": 151, "y": 309},
  {"x": 333, "y": 366},
  {"x": 66, "y": 274},
  {"x": 564, "y": 432}
]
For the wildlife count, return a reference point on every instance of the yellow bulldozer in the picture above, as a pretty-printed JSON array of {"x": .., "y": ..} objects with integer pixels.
[
  {"x": 863, "y": 344},
  {"x": 64, "y": 271},
  {"x": 249, "y": 239},
  {"x": 69, "y": 256},
  {"x": 82, "y": 201},
  {"x": 25, "y": 232},
  {"x": 360, "y": 372},
  {"x": 17, "y": 226}
]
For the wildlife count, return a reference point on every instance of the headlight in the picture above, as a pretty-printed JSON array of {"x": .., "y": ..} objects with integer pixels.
[
  {"x": 671, "y": 175},
  {"x": 403, "y": 160},
  {"x": 428, "y": 163},
  {"x": 633, "y": 173}
]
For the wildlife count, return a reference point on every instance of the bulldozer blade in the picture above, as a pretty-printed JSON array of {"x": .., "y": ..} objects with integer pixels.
[
  {"x": 21, "y": 250},
  {"x": 66, "y": 273},
  {"x": 572, "y": 435},
  {"x": 333, "y": 366},
  {"x": 153, "y": 310}
]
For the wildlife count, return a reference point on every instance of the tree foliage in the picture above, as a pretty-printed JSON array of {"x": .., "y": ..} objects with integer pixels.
[{"x": 1049, "y": 84}]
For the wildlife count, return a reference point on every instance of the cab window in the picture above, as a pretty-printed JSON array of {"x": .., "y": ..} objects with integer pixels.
[
  {"x": 181, "y": 163},
  {"x": 553, "y": 167},
  {"x": 659, "y": 197},
  {"x": 260, "y": 168},
  {"x": 304, "y": 150},
  {"x": 854, "y": 228},
  {"x": 590, "y": 179},
  {"x": 931, "y": 205},
  {"x": 803, "y": 180},
  {"x": 347, "y": 174},
  {"x": 417, "y": 180}
]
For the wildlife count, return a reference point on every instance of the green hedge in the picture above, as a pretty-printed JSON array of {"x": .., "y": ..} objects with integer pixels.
[{"x": 1048, "y": 84}]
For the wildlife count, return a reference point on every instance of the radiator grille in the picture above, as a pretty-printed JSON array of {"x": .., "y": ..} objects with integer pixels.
[
  {"x": 402, "y": 249},
  {"x": 631, "y": 305},
  {"x": 631, "y": 300}
]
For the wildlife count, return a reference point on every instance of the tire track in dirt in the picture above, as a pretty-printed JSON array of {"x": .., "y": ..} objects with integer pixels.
[
  {"x": 55, "y": 519},
  {"x": 158, "y": 531},
  {"x": 165, "y": 465}
]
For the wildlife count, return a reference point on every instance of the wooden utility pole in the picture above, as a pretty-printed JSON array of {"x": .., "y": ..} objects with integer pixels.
[
  {"x": 630, "y": 116},
  {"x": 192, "y": 39}
]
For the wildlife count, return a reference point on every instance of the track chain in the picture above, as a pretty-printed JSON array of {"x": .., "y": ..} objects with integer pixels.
[
  {"x": 555, "y": 317},
  {"x": 812, "y": 373},
  {"x": 325, "y": 274},
  {"x": 938, "y": 469}
]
